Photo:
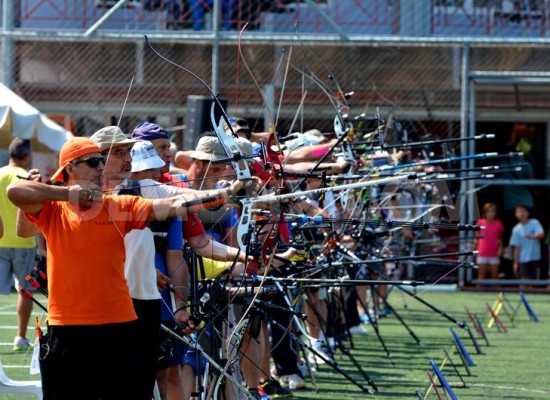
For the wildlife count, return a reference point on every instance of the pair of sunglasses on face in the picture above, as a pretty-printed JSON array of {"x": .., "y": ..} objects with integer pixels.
[{"x": 92, "y": 162}]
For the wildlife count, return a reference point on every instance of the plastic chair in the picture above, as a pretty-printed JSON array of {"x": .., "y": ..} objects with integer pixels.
[{"x": 8, "y": 385}]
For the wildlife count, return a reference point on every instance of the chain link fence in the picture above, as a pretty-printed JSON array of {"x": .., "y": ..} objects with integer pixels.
[
  {"x": 391, "y": 58},
  {"x": 94, "y": 83}
]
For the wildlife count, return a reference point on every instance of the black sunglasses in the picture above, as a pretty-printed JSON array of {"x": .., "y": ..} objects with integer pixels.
[{"x": 92, "y": 162}]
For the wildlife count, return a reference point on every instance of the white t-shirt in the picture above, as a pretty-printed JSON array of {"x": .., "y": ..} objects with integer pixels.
[
  {"x": 139, "y": 267},
  {"x": 151, "y": 189}
]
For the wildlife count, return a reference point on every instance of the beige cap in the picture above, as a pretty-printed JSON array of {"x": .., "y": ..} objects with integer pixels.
[
  {"x": 209, "y": 148},
  {"x": 111, "y": 136}
]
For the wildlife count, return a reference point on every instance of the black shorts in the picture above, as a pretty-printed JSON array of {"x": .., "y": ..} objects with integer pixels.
[
  {"x": 529, "y": 270},
  {"x": 90, "y": 362}
]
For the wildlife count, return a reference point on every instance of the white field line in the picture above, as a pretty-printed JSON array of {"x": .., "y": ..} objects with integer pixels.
[
  {"x": 458, "y": 384},
  {"x": 509, "y": 388},
  {"x": 29, "y": 328}
]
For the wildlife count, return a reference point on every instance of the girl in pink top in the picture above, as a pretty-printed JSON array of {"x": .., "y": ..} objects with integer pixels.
[{"x": 489, "y": 243}]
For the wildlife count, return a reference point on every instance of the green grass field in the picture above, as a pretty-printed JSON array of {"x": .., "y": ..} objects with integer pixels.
[{"x": 515, "y": 365}]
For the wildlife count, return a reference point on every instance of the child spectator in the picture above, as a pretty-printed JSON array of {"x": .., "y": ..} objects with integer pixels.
[
  {"x": 489, "y": 243},
  {"x": 525, "y": 239}
]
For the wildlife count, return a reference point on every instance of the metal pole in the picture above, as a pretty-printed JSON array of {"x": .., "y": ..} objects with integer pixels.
[
  {"x": 470, "y": 184},
  {"x": 7, "y": 43},
  {"x": 463, "y": 146},
  {"x": 216, "y": 46},
  {"x": 140, "y": 72},
  {"x": 269, "y": 91},
  {"x": 104, "y": 18}
]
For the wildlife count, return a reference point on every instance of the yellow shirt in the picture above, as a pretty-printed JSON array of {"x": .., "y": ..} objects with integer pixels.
[
  {"x": 8, "y": 210},
  {"x": 213, "y": 268}
]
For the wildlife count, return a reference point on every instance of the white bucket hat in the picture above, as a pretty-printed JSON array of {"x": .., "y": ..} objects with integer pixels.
[{"x": 145, "y": 156}]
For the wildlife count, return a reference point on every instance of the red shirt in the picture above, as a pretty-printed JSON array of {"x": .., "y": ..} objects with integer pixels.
[
  {"x": 193, "y": 226},
  {"x": 489, "y": 240}
]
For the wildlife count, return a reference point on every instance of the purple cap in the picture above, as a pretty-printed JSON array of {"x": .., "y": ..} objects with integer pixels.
[{"x": 149, "y": 131}]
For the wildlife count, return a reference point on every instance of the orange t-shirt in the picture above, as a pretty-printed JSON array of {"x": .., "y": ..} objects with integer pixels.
[{"x": 86, "y": 255}]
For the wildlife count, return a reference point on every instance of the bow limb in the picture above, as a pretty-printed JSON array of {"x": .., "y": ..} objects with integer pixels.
[
  {"x": 243, "y": 229},
  {"x": 242, "y": 172},
  {"x": 271, "y": 156},
  {"x": 253, "y": 301},
  {"x": 230, "y": 147},
  {"x": 262, "y": 95},
  {"x": 274, "y": 161}
]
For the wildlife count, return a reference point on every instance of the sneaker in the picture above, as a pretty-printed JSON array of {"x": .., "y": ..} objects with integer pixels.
[
  {"x": 383, "y": 313},
  {"x": 274, "y": 389},
  {"x": 20, "y": 343},
  {"x": 358, "y": 330},
  {"x": 255, "y": 393},
  {"x": 293, "y": 381},
  {"x": 320, "y": 348},
  {"x": 302, "y": 366},
  {"x": 365, "y": 318}
]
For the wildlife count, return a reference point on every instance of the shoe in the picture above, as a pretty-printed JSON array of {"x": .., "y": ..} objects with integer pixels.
[
  {"x": 273, "y": 389},
  {"x": 383, "y": 313},
  {"x": 293, "y": 381},
  {"x": 358, "y": 330},
  {"x": 255, "y": 393},
  {"x": 319, "y": 347},
  {"x": 20, "y": 343},
  {"x": 365, "y": 318},
  {"x": 302, "y": 366}
]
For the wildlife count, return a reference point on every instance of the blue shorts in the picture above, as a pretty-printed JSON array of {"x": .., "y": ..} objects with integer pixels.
[
  {"x": 171, "y": 350},
  {"x": 16, "y": 264},
  {"x": 192, "y": 357}
]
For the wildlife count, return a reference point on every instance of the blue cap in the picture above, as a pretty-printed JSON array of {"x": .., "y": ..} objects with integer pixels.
[{"x": 149, "y": 131}]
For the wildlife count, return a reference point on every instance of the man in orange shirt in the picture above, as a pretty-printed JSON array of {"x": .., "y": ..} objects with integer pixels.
[{"x": 91, "y": 347}]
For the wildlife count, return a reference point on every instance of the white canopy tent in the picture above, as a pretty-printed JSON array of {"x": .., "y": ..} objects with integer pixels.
[{"x": 20, "y": 119}]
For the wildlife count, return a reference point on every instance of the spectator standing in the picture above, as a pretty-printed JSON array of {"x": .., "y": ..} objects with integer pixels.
[
  {"x": 515, "y": 168},
  {"x": 525, "y": 241},
  {"x": 489, "y": 243},
  {"x": 518, "y": 194},
  {"x": 17, "y": 254}
]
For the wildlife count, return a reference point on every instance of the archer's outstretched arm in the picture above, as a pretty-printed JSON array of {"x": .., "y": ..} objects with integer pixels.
[{"x": 205, "y": 246}]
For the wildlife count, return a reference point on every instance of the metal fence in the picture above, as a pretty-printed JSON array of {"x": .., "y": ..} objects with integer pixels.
[
  {"x": 89, "y": 81},
  {"x": 88, "y": 63},
  {"x": 417, "y": 62}
]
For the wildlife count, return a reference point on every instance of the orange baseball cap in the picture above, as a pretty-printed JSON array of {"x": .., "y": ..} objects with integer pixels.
[{"x": 72, "y": 149}]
